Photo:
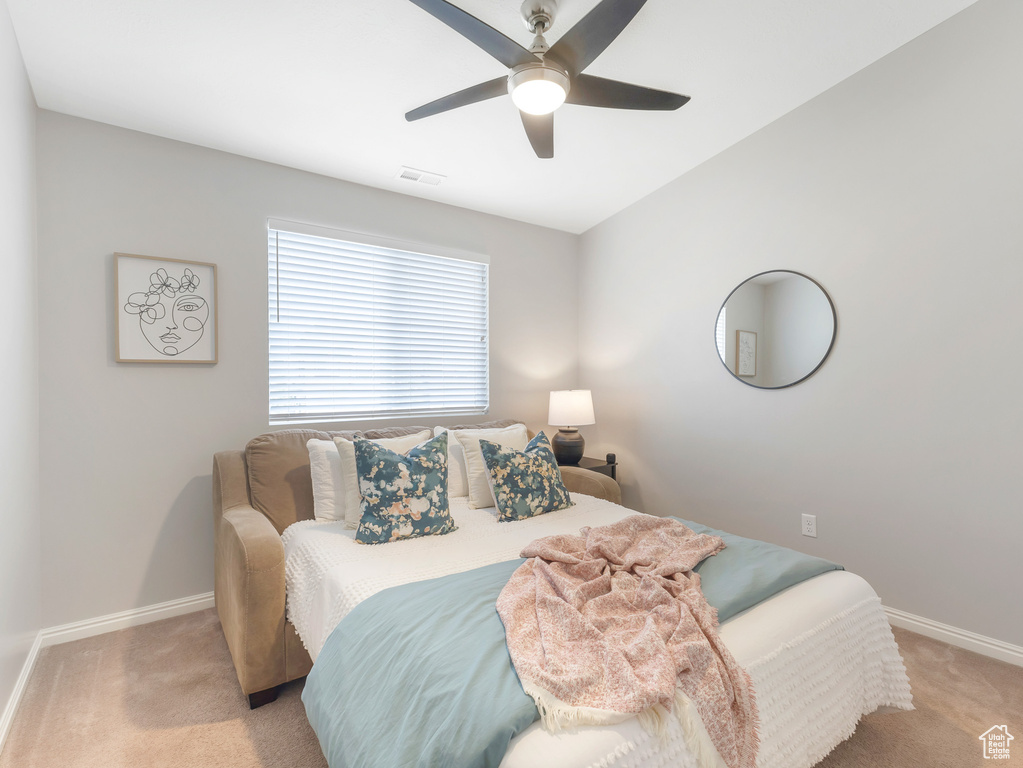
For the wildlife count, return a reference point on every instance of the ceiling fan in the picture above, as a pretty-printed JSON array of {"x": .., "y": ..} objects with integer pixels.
[{"x": 542, "y": 77}]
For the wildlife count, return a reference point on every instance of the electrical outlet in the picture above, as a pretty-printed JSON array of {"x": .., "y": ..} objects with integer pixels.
[{"x": 810, "y": 525}]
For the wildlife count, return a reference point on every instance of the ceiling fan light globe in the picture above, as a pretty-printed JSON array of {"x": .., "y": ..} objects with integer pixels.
[
  {"x": 539, "y": 97},
  {"x": 538, "y": 89}
]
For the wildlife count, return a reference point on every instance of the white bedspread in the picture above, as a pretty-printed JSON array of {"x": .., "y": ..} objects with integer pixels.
[
  {"x": 821, "y": 653},
  {"x": 328, "y": 573}
]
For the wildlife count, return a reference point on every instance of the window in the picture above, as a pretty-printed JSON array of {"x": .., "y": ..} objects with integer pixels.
[
  {"x": 719, "y": 334},
  {"x": 365, "y": 328}
]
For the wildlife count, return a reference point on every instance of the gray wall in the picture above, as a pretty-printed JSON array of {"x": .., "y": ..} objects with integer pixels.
[
  {"x": 900, "y": 191},
  {"x": 127, "y": 518},
  {"x": 798, "y": 328},
  {"x": 20, "y": 560}
]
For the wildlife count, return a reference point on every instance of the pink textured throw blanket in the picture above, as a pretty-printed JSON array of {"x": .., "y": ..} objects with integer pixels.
[{"x": 612, "y": 623}]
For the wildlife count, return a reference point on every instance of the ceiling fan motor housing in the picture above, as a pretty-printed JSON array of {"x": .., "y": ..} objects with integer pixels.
[{"x": 539, "y": 14}]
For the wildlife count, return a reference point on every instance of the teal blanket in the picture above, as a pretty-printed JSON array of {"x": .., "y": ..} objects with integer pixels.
[
  {"x": 748, "y": 571},
  {"x": 419, "y": 675}
]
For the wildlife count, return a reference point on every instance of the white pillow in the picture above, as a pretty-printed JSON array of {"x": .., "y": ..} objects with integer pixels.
[
  {"x": 458, "y": 485},
  {"x": 328, "y": 485},
  {"x": 350, "y": 473},
  {"x": 477, "y": 477}
]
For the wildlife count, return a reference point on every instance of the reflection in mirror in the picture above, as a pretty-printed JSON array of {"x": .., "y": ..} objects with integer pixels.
[{"x": 775, "y": 329}]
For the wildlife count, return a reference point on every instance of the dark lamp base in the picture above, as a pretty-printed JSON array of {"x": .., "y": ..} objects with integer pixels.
[{"x": 568, "y": 446}]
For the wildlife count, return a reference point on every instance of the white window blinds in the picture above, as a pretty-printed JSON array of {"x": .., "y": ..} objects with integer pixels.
[
  {"x": 719, "y": 334},
  {"x": 361, "y": 331}
]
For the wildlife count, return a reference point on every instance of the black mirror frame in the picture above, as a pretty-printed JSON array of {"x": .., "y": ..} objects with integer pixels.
[{"x": 834, "y": 332}]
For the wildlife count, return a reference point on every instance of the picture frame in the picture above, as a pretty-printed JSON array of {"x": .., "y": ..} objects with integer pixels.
[
  {"x": 166, "y": 310},
  {"x": 745, "y": 353}
]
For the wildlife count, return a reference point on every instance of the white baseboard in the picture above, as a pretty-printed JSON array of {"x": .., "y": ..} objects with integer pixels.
[
  {"x": 65, "y": 633},
  {"x": 7, "y": 718},
  {"x": 961, "y": 638}
]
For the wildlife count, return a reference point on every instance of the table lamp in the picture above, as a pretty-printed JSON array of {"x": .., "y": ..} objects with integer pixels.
[{"x": 569, "y": 409}]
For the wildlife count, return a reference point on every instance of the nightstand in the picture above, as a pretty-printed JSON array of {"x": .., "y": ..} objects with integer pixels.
[{"x": 608, "y": 466}]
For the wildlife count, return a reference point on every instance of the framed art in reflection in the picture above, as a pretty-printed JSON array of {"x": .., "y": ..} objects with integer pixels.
[{"x": 745, "y": 353}]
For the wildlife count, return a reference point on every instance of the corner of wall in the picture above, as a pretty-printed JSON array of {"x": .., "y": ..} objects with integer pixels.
[{"x": 20, "y": 546}]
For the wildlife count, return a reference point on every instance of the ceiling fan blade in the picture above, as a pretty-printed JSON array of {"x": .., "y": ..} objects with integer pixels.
[
  {"x": 584, "y": 42},
  {"x": 540, "y": 130},
  {"x": 502, "y": 48},
  {"x": 471, "y": 95},
  {"x": 591, "y": 91}
]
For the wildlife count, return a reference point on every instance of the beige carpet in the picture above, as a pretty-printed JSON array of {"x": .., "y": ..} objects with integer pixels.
[
  {"x": 958, "y": 695},
  {"x": 164, "y": 694}
]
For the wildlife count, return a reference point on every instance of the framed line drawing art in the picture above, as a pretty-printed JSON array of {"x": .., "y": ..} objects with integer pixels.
[
  {"x": 745, "y": 353},
  {"x": 166, "y": 310}
]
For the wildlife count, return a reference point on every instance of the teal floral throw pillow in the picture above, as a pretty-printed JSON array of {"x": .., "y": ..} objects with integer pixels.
[
  {"x": 525, "y": 483},
  {"x": 403, "y": 496}
]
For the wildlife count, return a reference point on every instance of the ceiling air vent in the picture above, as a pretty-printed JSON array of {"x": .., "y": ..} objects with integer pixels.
[{"x": 420, "y": 177}]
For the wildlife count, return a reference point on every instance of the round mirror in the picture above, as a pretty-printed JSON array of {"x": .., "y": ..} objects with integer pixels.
[{"x": 775, "y": 329}]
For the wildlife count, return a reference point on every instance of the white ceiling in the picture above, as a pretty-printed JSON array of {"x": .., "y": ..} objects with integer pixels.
[{"x": 323, "y": 86}]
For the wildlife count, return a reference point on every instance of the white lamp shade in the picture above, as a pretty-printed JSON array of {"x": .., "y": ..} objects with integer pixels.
[{"x": 571, "y": 408}]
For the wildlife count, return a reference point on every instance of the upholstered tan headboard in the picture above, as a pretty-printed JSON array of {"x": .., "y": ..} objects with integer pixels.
[{"x": 280, "y": 485}]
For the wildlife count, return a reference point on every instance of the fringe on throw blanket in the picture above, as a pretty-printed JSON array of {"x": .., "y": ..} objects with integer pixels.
[{"x": 556, "y": 715}]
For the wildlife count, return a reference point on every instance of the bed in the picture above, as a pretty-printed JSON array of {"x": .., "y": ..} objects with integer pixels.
[{"x": 820, "y": 653}]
